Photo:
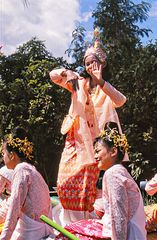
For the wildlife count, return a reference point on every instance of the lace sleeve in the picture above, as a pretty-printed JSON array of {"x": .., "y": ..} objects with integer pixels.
[
  {"x": 59, "y": 77},
  {"x": 118, "y": 205},
  {"x": 16, "y": 201},
  {"x": 117, "y": 97}
]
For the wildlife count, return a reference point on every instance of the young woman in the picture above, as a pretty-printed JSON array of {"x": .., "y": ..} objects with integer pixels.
[
  {"x": 29, "y": 193},
  {"x": 93, "y": 103},
  {"x": 124, "y": 217}
]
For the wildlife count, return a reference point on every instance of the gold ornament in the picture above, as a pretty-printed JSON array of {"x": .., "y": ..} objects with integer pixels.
[
  {"x": 118, "y": 140},
  {"x": 23, "y": 145}
]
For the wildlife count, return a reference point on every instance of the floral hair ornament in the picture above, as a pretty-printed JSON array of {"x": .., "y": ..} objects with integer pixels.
[
  {"x": 119, "y": 140},
  {"x": 23, "y": 145},
  {"x": 96, "y": 48}
]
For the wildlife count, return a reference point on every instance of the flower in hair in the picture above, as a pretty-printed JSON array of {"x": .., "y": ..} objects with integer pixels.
[
  {"x": 23, "y": 145},
  {"x": 119, "y": 140}
]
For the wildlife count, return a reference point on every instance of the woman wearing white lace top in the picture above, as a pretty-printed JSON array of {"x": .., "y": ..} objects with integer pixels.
[
  {"x": 124, "y": 217},
  {"x": 29, "y": 192}
]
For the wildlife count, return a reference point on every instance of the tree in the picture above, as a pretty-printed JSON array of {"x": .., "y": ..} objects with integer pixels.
[
  {"x": 134, "y": 75},
  {"x": 132, "y": 69},
  {"x": 28, "y": 99},
  {"x": 140, "y": 112},
  {"x": 77, "y": 47},
  {"x": 117, "y": 21}
]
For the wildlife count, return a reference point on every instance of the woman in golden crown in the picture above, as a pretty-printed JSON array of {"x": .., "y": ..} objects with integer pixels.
[
  {"x": 93, "y": 103},
  {"x": 124, "y": 217},
  {"x": 29, "y": 192}
]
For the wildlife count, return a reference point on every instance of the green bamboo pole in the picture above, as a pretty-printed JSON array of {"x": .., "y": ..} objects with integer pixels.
[{"x": 58, "y": 227}]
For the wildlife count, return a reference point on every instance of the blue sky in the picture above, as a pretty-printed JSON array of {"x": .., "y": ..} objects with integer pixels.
[
  {"x": 150, "y": 23},
  {"x": 52, "y": 22}
]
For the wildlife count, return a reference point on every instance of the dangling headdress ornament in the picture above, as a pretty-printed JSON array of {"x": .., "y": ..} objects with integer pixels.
[
  {"x": 96, "y": 48},
  {"x": 23, "y": 145},
  {"x": 119, "y": 140}
]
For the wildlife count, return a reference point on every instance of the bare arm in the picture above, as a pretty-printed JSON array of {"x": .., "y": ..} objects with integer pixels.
[{"x": 117, "y": 97}]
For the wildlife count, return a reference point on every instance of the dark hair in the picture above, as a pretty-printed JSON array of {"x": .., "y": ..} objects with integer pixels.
[
  {"x": 20, "y": 133},
  {"x": 111, "y": 125},
  {"x": 83, "y": 73},
  {"x": 109, "y": 142}
]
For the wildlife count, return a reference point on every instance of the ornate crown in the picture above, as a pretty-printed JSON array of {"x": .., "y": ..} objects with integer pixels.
[
  {"x": 119, "y": 140},
  {"x": 23, "y": 145},
  {"x": 96, "y": 48}
]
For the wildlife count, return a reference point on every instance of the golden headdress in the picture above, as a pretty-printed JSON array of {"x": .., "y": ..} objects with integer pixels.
[
  {"x": 96, "y": 48},
  {"x": 119, "y": 140},
  {"x": 23, "y": 145}
]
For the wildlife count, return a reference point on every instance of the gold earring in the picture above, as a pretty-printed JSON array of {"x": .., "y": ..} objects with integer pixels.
[{"x": 11, "y": 155}]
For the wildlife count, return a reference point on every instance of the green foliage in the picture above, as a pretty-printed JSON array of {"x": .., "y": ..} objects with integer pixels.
[
  {"x": 29, "y": 99},
  {"x": 77, "y": 47},
  {"x": 137, "y": 165},
  {"x": 132, "y": 70},
  {"x": 118, "y": 22},
  {"x": 139, "y": 114},
  {"x": 148, "y": 200}
]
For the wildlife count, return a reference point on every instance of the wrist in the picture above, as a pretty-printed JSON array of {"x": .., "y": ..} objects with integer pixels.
[
  {"x": 101, "y": 83},
  {"x": 66, "y": 73}
]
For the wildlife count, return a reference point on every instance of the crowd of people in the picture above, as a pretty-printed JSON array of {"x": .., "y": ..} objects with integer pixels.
[{"x": 94, "y": 142}]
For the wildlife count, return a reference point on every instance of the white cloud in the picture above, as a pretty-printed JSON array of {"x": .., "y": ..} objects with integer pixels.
[
  {"x": 86, "y": 16},
  {"x": 153, "y": 10},
  {"x": 51, "y": 21}
]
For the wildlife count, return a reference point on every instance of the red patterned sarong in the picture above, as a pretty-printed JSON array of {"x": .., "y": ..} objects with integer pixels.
[{"x": 79, "y": 191}]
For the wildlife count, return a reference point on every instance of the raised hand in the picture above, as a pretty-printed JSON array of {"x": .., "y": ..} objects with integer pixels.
[
  {"x": 72, "y": 78},
  {"x": 96, "y": 73}
]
